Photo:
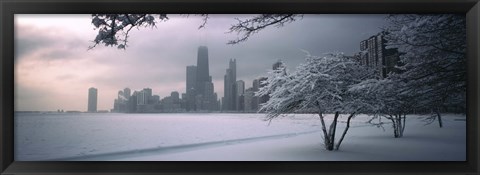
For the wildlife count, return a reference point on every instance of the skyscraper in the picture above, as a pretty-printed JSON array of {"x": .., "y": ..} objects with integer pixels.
[
  {"x": 374, "y": 55},
  {"x": 92, "y": 99},
  {"x": 190, "y": 88},
  {"x": 255, "y": 99},
  {"x": 191, "y": 78},
  {"x": 175, "y": 97},
  {"x": 249, "y": 100},
  {"x": 240, "y": 90},
  {"x": 141, "y": 98},
  {"x": 202, "y": 76},
  {"x": 126, "y": 93},
  {"x": 148, "y": 95},
  {"x": 230, "y": 92}
]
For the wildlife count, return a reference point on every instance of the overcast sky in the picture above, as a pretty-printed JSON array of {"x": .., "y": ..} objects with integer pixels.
[{"x": 54, "y": 68}]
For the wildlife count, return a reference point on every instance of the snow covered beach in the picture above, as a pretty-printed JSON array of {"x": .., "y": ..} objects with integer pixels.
[{"x": 228, "y": 137}]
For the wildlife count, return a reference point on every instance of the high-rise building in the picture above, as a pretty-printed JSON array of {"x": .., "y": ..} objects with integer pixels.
[
  {"x": 156, "y": 99},
  {"x": 148, "y": 95},
  {"x": 175, "y": 97},
  {"x": 132, "y": 103},
  {"x": 248, "y": 100},
  {"x": 92, "y": 99},
  {"x": 200, "y": 93},
  {"x": 202, "y": 76},
  {"x": 256, "y": 85},
  {"x": 190, "y": 88},
  {"x": 126, "y": 93},
  {"x": 240, "y": 87},
  {"x": 239, "y": 95},
  {"x": 191, "y": 78},
  {"x": 121, "y": 103},
  {"x": 230, "y": 92},
  {"x": 264, "y": 98},
  {"x": 255, "y": 99},
  {"x": 374, "y": 55},
  {"x": 120, "y": 97},
  {"x": 141, "y": 98}
]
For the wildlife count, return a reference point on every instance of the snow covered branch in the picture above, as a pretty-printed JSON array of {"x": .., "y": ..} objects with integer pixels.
[
  {"x": 434, "y": 58},
  {"x": 113, "y": 29},
  {"x": 321, "y": 84}
]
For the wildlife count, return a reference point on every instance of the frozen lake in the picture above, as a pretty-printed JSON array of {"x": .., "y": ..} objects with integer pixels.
[{"x": 218, "y": 136}]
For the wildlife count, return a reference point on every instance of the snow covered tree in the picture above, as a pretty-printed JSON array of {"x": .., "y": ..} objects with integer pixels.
[
  {"x": 321, "y": 83},
  {"x": 386, "y": 98},
  {"x": 113, "y": 29},
  {"x": 433, "y": 60}
]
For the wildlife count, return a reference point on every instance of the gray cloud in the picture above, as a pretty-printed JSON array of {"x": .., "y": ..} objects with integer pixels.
[
  {"x": 27, "y": 40},
  {"x": 31, "y": 39}
]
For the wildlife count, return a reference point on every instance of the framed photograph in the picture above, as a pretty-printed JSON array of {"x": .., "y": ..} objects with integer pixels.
[{"x": 257, "y": 87}]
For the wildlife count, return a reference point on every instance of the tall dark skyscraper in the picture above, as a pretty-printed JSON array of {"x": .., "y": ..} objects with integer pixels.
[
  {"x": 230, "y": 92},
  {"x": 190, "y": 88},
  {"x": 92, "y": 100},
  {"x": 199, "y": 87},
  {"x": 202, "y": 70},
  {"x": 191, "y": 78}
]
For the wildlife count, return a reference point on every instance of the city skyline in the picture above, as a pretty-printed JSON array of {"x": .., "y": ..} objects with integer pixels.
[{"x": 53, "y": 65}]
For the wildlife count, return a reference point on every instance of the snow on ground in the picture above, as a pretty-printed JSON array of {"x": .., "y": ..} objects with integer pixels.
[{"x": 235, "y": 137}]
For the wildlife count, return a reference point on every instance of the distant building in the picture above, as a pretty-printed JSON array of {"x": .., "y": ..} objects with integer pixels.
[
  {"x": 132, "y": 103},
  {"x": 265, "y": 98},
  {"x": 140, "y": 98},
  {"x": 209, "y": 98},
  {"x": 156, "y": 99},
  {"x": 126, "y": 93},
  {"x": 175, "y": 97},
  {"x": 255, "y": 99},
  {"x": 191, "y": 77},
  {"x": 230, "y": 92},
  {"x": 373, "y": 54},
  {"x": 190, "y": 88},
  {"x": 199, "y": 88},
  {"x": 202, "y": 75},
  {"x": 92, "y": 99},
  {"x": 249, "y": 105},
  {"x": 148, "y": 96},
  {"x": 239, "y": 95}
]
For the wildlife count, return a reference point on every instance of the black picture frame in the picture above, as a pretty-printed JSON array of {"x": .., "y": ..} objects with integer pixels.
[{"x": 10, "y": 7}]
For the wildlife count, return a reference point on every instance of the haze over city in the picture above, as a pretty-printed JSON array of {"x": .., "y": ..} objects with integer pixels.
[{"x": 54, "y": 68}]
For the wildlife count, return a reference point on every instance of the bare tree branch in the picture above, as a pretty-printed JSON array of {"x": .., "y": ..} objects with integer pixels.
[
  {"x": 249, "y": 27},
  {"x": 113, "y": 29}
]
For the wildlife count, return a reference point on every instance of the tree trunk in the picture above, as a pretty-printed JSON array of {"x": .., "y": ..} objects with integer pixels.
[
  {"x": 344, "y": 131},
  {"x": 404, "y": 122},
  {"x": 394, "y": 123},
  {"x": 398, "y": 123},
  {"x": 332, "y": 130},
  {"x": 439, "y": 119},
  {"x": 326, "y": 139}
]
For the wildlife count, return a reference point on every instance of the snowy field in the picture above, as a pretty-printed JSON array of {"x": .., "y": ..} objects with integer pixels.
[{"x": 228, "y": 137}]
